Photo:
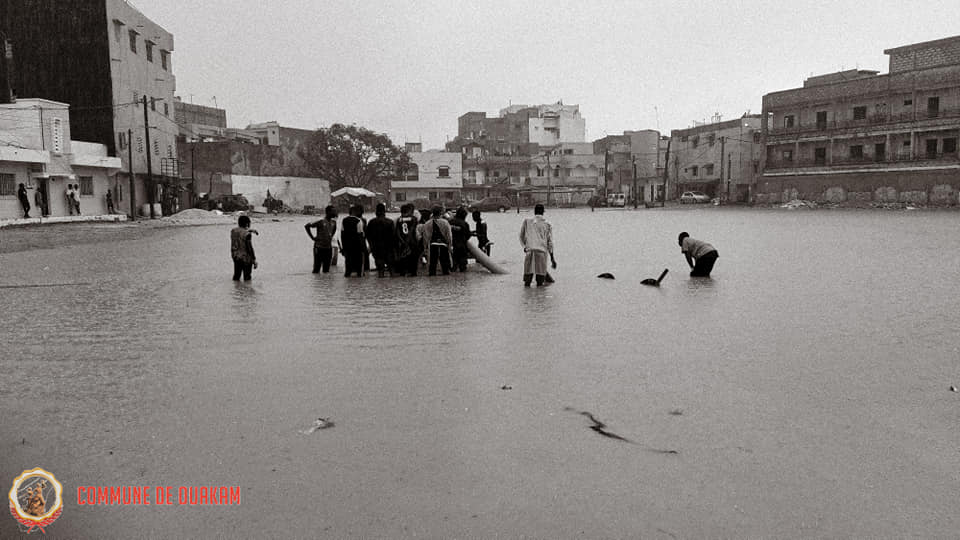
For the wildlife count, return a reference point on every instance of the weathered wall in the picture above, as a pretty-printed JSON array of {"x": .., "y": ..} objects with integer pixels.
[
  {"x": 939, "y": 187},
  {"x": 295, "y": 192}
]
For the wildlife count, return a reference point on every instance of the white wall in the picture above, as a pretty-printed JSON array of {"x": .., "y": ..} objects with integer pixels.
[{"x": 296, "y": 192}]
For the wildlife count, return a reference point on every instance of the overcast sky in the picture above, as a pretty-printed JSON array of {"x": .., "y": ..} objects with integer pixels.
[{"x": 410, "y": 68}]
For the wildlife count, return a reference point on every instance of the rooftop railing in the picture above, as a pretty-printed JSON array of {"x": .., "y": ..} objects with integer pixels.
[{"x": 868, "y": 121}]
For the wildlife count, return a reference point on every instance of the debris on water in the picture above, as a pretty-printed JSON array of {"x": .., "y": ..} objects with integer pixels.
[
  {"x": 321, "y": 423},
  {"x": 606, "y": 275},
  {"x": 677, "y": 412},
  {"x": 598, "y": 426},
  {"x": 954, "y": 389},
  {"x": 506, "y": 387}
]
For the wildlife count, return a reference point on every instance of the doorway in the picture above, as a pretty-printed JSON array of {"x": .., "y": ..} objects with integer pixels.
[{"x": 43, "y": 188}]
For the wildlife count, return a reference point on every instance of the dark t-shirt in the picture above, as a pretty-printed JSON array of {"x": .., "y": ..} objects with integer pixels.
[
  {"x": 380, "y": 235},
  {"x": 461, "y": 232},
  {"x": 352, "y": 234}
]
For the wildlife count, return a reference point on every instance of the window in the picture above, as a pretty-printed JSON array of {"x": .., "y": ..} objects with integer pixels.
[
  {"x": 787, "y": 155},
  {"x": 156, "y": 147},
  {"x": 933, "y": 107},
  {"x": 166, "y": 109},
  {"x": 148, "y": 47},
  {"x": 931, "y": 148},
  {"x": 820, "y": 155},
  {"x": 139, "y": 144},
  {"x": 57, "y": 136},
  {"x": 856, "y": 151},
  {"x": 7, "y": 185},
  {"x": 539, "y": 171},
  {"x": 133, "y": 41},
  {"x": 788, "y": 121},
  {"x": 708, "y": 169},
  {"x": 472, "y": 175},
  {"x": 568, "y": 151},
  {"x": 860, "y": 113},
  {"x": 164, "y": 60},
  {"x": 122, "y": 140},
  {"x": 153, "y": 104},
  {"x": 695, "y": 142},
  {"x": 400, "y": 196},
  {"x": 821, "y": 120},
  {"x": 683, "y": 138},
  {"x": 694, "y": 170},
  {"x": 86, "y": 185},
  {"x": 117, "y": 30},
  {"x": 880, "y": 151},
  {"x": 443, "y": 172},
  {"x": 432, "y": 195},
  {"x": 950, "y": 145},
  {"x": 907, "y": 102},
  {"x": 712, "y": 138},
  {"x": 496, "y": 174},
  {"x": 136, "y": 96},
  {"x": 556, "y": 172},
  {"x": 448, "y": 195}
]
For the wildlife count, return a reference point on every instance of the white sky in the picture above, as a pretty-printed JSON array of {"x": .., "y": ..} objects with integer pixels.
[{"x": 410, "y": 68}]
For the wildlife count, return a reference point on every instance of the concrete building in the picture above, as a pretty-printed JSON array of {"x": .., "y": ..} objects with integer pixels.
[
  {"x": 198, "y": 122},
  {"x": 633, "y": 164},
  {"x": 37, "y": 150},
  {"x": 565, "y": 174},
  {"x": 103, "y": 57},
  {"x": 719, "y": 158},
  {"x": 434, "y": 175},
  {"x": 860, "y": 136}
]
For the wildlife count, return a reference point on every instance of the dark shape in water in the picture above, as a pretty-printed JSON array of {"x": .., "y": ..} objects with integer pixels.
[
  {"x": 606, "y": 275},
  {"x": 506, "y": 387},
  {"x": 599, "y": 426},
  {"x": 655, "y": 282},
  {"x": 321, "y": 423}
]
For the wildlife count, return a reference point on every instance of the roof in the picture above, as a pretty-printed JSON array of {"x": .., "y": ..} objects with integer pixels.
[{"x": 922, "y": 45}]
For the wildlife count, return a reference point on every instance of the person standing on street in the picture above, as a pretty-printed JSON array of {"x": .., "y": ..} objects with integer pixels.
[
  {"x": 24, "y": 200},
  {"x": 39, "y": 202},
  {"x": 536, "y": 237},
  {"x": 109, "y": 198},
  {"x": 241, "y": 249},
  {"x": 323, "y": 240},
  {"x": 700, "y": 255}
]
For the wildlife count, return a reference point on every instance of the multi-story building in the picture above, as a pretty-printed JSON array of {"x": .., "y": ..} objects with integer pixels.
[
  {"x": 719, "y": 158},
  {"x": 197, "y": 122},
  {"x": 37, "y": 150},
  {"x": 433, "y": 175},
  {"x": 633, "y": 163},
  {"x": 857, "y": 135},
  {"x": 103, "y": 58},
  {"x": 565, "y": 174}
]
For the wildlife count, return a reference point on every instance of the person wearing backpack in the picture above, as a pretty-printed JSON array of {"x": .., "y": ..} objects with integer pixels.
[{"x": 437, "y": 239}]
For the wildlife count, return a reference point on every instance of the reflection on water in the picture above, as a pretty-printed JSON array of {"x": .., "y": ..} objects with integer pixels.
[{"x": 810, "y": 370}]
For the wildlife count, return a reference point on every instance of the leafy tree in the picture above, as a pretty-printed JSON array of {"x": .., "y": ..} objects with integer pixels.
[{"x": 351, "y": 156}]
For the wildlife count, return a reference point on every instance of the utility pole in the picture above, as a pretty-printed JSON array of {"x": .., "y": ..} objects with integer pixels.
[
  {"x": 193, "y": 171},
  {"x": 666, "y": 171},
  {"x": 146, "y": 129},
  {"x": 634, "y": 160},
  {"x": 549, "y": 174},
  {"x": 133, "y": 189},
  {"x": 8, "y": 71},
  {"x": 723, "y": 141}
]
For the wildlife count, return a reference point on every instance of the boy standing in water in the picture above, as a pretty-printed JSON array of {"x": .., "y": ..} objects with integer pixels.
[
  {"x": 703, "y": 253},
  {"x": 352, "y": 238},
  {"x": 241, "y": 249},
  {"x": 408, "y": 249},
  {"x": 481, "y": 233},
  {"x": 323, "y": 240},
  {"x": 536, "y": 237}
]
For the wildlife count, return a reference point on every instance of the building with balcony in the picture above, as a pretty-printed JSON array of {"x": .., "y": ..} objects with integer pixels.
[
  {"x": 857, "y": 135},
  {"x": 103, "y": 57},
  {"x": 719, "y": 158},
  {"x": 36, "y": 150},
  {"x": 433, "y": 175},
  {"x": 633, "y": 163}
]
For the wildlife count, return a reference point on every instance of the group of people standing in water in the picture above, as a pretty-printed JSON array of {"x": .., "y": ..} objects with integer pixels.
[{"x": 397, "y": 247}]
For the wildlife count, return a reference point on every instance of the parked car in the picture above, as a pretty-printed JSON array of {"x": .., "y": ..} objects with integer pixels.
[
  {"x": 617, "y": 200},
  {"x": 491, "y": 204},
  {"x": 694, "y": 197}
]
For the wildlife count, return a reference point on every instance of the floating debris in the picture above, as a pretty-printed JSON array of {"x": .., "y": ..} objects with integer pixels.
[
  {"x": 954, "y": 389},
  {"x": 598, "y": 426},
  {"x": 506, "y": 387},
  {"x": 321, "y": 423},
  {"x": 606, "y": 275},
  {"x": 676, "y": 412},
  {"x": 655, "y": 282}
]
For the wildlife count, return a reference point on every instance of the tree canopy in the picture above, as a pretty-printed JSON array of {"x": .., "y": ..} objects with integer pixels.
[{"x": 352, "y": 156}]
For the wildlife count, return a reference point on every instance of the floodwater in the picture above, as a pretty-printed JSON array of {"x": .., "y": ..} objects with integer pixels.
[{"x": 804, "y": 388}]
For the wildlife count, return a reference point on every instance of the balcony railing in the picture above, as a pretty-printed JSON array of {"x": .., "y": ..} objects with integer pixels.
[
  {"x": 872, "y": 120},
  {"x": 862, "y": 160}
]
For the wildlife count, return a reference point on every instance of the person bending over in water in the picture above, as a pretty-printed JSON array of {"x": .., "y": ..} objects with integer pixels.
[{"x": 700, "y": 255}]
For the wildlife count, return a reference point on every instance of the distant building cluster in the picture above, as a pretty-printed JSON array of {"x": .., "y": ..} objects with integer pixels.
[{"x": 87, "y": 99}]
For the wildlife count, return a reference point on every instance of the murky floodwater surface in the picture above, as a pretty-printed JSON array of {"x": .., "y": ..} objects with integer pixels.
[{"x": 804, "y": 388}]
